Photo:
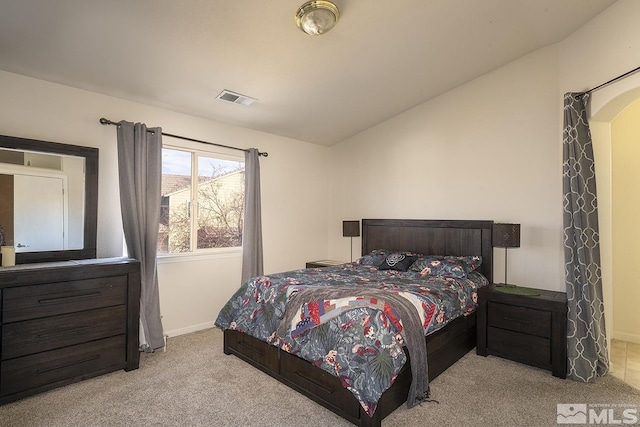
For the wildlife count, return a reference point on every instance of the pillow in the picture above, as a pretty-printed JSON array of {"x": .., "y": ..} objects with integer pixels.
[
  {"x": 399, "y": 261},
  {"x": 446, "y": 266},
  {"x": 375, "y": 257}
]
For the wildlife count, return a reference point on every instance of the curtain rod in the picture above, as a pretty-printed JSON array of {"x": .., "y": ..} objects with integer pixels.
[
  {"x": 104, "y": 121},
  {"x": 615, "y": 79}
]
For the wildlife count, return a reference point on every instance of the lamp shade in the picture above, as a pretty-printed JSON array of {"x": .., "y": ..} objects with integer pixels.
[
  {"x": 350, "y": 228},
  {"x": 506, "y": 235}
]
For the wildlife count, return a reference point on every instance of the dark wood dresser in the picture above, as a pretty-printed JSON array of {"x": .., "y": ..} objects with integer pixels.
[
  {"x": 64, "y": 322},
  {"x": 530, "y": 329}
]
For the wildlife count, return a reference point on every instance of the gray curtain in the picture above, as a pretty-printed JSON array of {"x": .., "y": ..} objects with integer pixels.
[
  {"x": 586, "y": 340},
  {"x": 252, "y": 226},
  {"x": 140, "y": 172}
]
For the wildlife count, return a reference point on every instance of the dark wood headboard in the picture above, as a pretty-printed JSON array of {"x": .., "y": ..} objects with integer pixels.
[{"x": 431, "y": 237}]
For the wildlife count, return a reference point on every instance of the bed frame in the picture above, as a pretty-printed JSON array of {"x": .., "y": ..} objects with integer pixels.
[{"x": 444, "y": 347}]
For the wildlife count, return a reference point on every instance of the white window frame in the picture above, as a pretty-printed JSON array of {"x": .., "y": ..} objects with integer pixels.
[{"x": 194, "y": 252}]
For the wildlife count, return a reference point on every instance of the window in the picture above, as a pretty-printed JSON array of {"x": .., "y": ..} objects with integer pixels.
[{"x": 202, "y": 201}]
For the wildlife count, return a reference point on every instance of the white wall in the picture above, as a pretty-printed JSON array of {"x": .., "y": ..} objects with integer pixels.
[
  {"x": 489, "y": 149},
  {"x": 192, "y": 292},
  {"x": 486, "y": 150}
]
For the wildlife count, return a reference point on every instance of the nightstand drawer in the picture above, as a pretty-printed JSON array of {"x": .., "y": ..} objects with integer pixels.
[
  {"x": 519, "y": 319},
  {"x": 520, "y": 347},
  {"x": 528, "y": 327},
  {"x": 323, "y": 263}
]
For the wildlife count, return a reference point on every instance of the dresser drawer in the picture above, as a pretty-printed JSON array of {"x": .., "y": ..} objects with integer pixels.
[
  {"x": 251, "y": 349},
  {"x": 38, "y": 335},
  {"x": 36, "y": 301},
  {"x": 529, "y": 349},
  {"x": 320, "y": 384},
  {"x": 62, "y": 365},
  {"x": 520, "y": 319}
]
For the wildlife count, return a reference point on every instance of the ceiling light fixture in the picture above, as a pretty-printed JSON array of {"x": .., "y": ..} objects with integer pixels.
[{"x": 317, "y": 17}]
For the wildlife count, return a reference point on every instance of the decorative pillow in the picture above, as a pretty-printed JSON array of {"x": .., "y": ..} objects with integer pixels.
[
  {"x": 375, "y": 257},
  {"x": 399, "y": 261},
  {"x": 447, "y": 266},
  {"x": 473, "y": 262}
]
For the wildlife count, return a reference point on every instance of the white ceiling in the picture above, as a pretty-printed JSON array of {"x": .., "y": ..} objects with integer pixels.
[{"x": 382, "y": 58}]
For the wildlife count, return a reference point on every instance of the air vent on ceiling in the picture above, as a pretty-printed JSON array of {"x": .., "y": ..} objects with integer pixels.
[{"x": 236, "y": 98}]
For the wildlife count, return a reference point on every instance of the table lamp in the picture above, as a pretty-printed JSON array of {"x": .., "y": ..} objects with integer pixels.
[
  {"x": 506, "y": 236},
  {"x": 351, "y": 229}
]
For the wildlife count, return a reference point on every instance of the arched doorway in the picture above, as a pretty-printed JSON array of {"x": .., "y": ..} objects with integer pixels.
[{"x": 615, "y": 129}]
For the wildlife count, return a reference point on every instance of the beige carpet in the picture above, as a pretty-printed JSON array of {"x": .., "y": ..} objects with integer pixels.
[{"x": 195, "y": 384}]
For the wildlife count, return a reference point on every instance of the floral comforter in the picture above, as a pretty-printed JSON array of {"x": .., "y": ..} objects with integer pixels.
[{"x": 362, "y": 344}]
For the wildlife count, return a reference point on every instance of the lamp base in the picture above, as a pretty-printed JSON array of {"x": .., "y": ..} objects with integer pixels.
[{"x": 516, "y": 290}]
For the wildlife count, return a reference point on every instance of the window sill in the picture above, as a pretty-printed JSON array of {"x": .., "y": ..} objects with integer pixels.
[{"x": 199, "y": 256}]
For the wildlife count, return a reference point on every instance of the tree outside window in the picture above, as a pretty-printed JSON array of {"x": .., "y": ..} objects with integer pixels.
[{"x": 202, "y": 202}]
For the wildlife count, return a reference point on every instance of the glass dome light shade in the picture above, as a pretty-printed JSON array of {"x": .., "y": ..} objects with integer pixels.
[{"x": 317, "y": 17}]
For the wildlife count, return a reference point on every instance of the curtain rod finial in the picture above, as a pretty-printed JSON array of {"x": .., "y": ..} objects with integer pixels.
[{"x": 263, "y": 153}]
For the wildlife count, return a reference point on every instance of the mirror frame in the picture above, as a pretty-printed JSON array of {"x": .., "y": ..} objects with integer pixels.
[{"x": 90, "y": 197}]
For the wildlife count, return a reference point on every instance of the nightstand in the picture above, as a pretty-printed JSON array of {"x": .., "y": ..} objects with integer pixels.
[
  {"x": 530, "y": 329},
  {"x": 323, "y": 263}
]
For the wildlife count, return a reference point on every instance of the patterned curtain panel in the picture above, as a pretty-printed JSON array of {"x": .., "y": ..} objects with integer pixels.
[{"x": 587, "y": 346}]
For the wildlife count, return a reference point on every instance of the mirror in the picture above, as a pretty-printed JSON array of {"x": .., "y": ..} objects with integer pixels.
[{"x": 48, "y": 199}]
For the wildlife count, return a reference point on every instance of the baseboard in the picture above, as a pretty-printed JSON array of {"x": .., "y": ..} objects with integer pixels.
[
  {"x": 189, "y": 329},
  {"x": 624, "y": 336}
]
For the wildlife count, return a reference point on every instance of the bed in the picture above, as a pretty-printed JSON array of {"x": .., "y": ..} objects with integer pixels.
[{"x": 444, "y": 346}]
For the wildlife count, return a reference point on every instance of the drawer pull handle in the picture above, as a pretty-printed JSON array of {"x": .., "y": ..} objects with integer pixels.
[
  {"x": 526, "y": 322},
  {"x": 61, "y": 300},
  {"x": 251, "y": 349},
  {"x": 62, "y": 333},
  {"x": 305, "y": 377},
  {"x": 66, "y": 365}
]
